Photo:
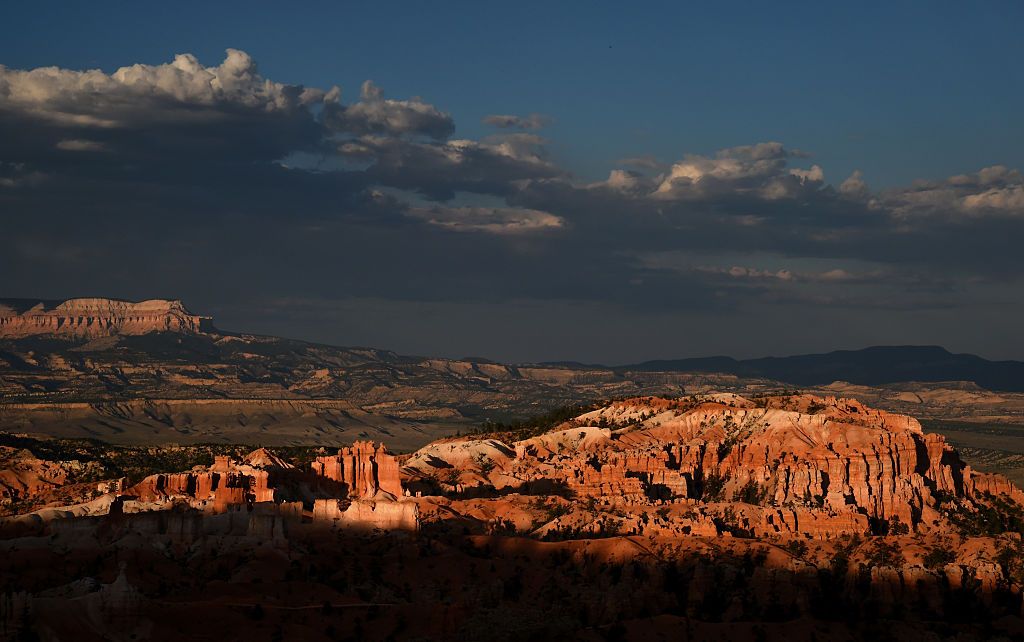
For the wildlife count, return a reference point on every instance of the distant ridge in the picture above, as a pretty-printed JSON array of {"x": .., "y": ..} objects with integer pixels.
[
  {"x": 870, "y": 367},
  {"x": 95, "y": 317},
  {"x": 88, "y": 318}
]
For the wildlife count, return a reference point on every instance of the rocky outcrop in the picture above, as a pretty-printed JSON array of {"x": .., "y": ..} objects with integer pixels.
[
  {"x": 367, "y": 515},
  {"x": 366, "y": 470},
  {"x": 23, "y": 475},
  {"x": 763, "y": 467},
  {"x": 92, "y": 318},
  {"x": 224, "y": 484}
]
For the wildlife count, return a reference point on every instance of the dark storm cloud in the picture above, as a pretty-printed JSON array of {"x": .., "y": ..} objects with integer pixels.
[{"x": 221, "y": 182}]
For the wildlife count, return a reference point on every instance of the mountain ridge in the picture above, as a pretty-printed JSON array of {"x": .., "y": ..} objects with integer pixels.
[{"x": 873, "y": 365}]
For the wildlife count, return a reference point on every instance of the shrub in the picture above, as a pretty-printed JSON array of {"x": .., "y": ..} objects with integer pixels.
[
  {"x": 938, "y": 557},
  {"x": 751, "y": 493},
  {"x": 896, "y": 527},
  {"x": 713, "y": 487},
  {"x": 796, "y": 547}
]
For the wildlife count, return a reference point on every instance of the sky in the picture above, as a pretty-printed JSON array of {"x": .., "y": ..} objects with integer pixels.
[{"x": 601, "y": 182}]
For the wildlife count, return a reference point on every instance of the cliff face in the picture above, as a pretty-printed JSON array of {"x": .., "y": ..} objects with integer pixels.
[{"x": 91, "y": 318}]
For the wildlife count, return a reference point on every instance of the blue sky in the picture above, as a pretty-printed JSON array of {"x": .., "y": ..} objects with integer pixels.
[{"x": 391, "y": 215}]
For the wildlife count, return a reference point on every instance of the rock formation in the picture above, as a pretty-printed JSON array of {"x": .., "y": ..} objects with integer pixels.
[
  {"x": 91, "y": 318},
  {"x": 366, "y": 469},
  {"x": 224, "y": 484},
  {"x": 367, "y": 515},
  {"x": 26, "y": 480},
  {"x": 719, "y": 516},
  {"x": 768, "y": 466}
]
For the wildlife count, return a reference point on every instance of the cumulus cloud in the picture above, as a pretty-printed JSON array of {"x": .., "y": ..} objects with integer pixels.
[
  {"x": 759, "y": 169},
  {"x": 854, "y": 186},
  {"x": 374, "y": 114},
  {"x": 143, "y": 92},
  {"x": 508, "y": 121},
  {"x": 995, "y": 191}
]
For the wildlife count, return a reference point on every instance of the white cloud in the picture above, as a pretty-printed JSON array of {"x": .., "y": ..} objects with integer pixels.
[
  {"x": 374, "y": 114},
  {"x": 756, "y": 169},
  {"x": 854, "y": 186},
  {"x": 143, "y": 92}
]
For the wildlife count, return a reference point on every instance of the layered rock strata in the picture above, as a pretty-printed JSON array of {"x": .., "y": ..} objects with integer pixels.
[{"x": 92, "y": 318}]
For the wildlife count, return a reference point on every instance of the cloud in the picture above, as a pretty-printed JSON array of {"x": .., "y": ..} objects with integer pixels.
[
  {"x": 508, "y": 121},
  {"x": 374, "y": 114},
  {"x": 220, "y": 181},
  {"x": 760, "y": 169},
  {"x": 492, "y": 220},
  {"x": 854, "y": 186},
  {"x": 834, "y": 275},
  {"x": 995, "y": 191},
  {"x": 13, "y": 175},
  {"x": 80, "y": 145},
  {"x": 439, "y": 170},
  {"x": 144, "y": 93}
]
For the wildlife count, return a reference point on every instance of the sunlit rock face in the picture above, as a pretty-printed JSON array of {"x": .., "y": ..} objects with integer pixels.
[
  {"x": 92, "y": 318},
  {"x": 367, "y": 470},
  {"x": 224, "y": 484},
  {"x": 794, "y": 464}
]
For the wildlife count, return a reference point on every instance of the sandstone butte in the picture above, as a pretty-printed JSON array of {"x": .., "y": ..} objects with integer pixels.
[{"x": 97, "y": 317}]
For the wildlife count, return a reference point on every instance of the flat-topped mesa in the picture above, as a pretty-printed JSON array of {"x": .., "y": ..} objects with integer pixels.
[
  {"x": 92, "y": 318},
  {"x": 366, "y": 470}
]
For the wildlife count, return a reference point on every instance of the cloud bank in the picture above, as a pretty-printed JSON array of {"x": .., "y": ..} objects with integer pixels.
[{"x": 216, "y": 181}]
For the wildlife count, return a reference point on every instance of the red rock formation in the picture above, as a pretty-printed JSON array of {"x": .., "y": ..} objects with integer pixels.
[
  {"x": 364, "y": 468},
  {"x": 90, "y": 318},
  {"x": 224, "y": 484},
  {"x": 767, "y": 466},
  {"x": 367, "y": 514}
]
